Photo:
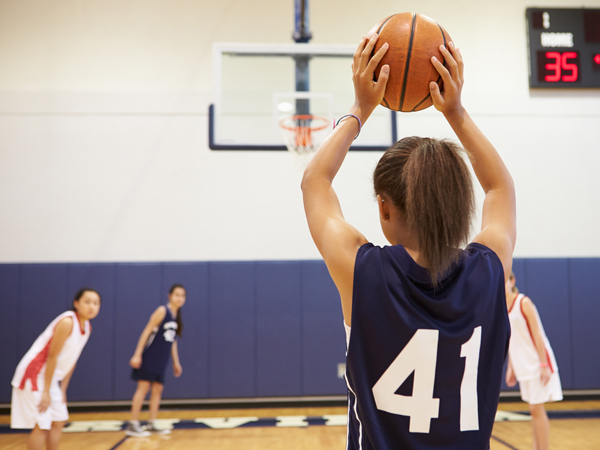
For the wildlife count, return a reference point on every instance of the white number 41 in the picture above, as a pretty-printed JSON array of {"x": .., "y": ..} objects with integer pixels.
[{"x": 420, "y": 355}]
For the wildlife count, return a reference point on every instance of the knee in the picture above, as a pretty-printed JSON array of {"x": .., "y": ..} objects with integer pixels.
[
  {"x": 57, "y": 426},
  {"x": 143, "y": 387},
  {"x": 537, "y": 410},
  {"x": 157, "y": 388}
]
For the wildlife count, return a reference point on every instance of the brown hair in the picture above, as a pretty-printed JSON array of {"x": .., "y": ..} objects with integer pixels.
[
  {"x": 429, "y": 182},
  {"x": 178, "y": 318},
  {"x": 514, "y": 289},
  {"x": 80, "y": 293}
]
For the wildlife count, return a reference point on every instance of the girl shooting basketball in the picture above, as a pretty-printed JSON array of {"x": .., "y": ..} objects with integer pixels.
[
  {"x": 150, "y": 359},
  {"x": 39, "y": 395},
  {"x": 531, "y": 362},
  {"x": 426, "y": 321}
]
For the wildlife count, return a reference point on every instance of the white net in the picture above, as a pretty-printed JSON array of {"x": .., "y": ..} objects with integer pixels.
[{"x": 304, "y": 134}]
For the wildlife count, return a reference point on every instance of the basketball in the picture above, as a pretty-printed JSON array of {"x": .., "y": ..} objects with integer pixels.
[{"x": 413, "y": 39}]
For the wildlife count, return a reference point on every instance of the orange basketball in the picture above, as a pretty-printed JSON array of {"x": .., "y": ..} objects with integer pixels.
[{"x": 413, "y": 39}]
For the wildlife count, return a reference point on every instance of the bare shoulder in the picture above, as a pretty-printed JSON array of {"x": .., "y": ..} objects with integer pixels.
[
  {"x": 527, "y": 306},
  {"x": 500, "y": 244},
  {"x": 64, "y": 326},
  {"x": 158, "y": 315}
]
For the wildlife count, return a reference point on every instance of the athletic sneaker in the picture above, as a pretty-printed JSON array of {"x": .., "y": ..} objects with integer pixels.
[
  {"x": 134, "y": 429},
  {"x": 152, "y": 428}
]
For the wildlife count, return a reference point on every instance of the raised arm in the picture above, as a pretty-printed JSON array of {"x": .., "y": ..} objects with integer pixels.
[
  {"x": 498, "y": 223},
  {"x": 336, "y": 239},
  {"x": 155, "y": 319}
]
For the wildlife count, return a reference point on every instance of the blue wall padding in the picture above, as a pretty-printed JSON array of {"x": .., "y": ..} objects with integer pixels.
[
  {"x": 42, "y": 296},
  {"x": 9, "y": 327},
  {"x": 254, "y": 329},
  {"x": 323, "y": 331},
  {"x": 138, "y": 294},
  {"x": 93, "y": 376},
  {"x": 548, "y": 288},
  {"x": 193, "y": 347},
  {"x": 278, "y": 330},
  {"x": 585, "y": 314},
  {"x": 232, "y": 330}
]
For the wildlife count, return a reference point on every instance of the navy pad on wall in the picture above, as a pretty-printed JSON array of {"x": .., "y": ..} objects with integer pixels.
[
  {"x": 9, "y": 320},
  {"x": 585, "y": 289},
  {"x": 278, "y": 329},
  {"x": 93, "y": 376},
  {"x": 324, "y": 343},
  {"x": 232, "y": 344}
]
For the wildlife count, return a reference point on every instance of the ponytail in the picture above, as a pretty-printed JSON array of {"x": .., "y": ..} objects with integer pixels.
[
  {"x": 429, "y": 182},
  {"x": 178, "y": 318},
  {"x": 179, "y": 323}
]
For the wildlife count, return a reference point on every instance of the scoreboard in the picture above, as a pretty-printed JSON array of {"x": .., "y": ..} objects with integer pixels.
[{"x": 564, "y": 47}]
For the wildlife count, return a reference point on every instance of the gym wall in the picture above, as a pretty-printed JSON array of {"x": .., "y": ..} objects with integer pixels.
[{"x": 106, "y": 178}]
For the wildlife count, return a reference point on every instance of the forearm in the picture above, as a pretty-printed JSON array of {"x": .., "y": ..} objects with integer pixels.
[
  {"x": 139, "y": 349},
  {"x": 64, "y": 384},
  {"x": 329, "y": 158},
  {"x": 487, "y": 163},
  {"x": 175, "y": 354},
  {"x": 50, "y": 367},
  {"x": 541, "y": 349}
]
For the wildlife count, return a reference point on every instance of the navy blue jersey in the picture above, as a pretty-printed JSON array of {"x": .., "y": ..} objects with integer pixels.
[
  {"x": 158, "y": 348},
  {"x": 424, "y": 365}
]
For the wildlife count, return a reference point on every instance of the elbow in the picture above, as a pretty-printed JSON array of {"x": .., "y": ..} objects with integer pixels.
[{"x": 306, "y": 180}]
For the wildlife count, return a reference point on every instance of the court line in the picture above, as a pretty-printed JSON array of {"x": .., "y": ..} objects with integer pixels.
[
  {"x": 501, "y": 441},
  {"x": 119, "y": 443}
]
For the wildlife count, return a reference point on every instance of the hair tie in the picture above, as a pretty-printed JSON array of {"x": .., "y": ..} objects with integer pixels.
[{"x": 335, "y": 124}]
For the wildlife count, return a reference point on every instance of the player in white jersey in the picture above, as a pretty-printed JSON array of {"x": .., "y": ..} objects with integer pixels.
[
  {"x": 531, "y": 362},
  {"x": 39, "y": 395}
]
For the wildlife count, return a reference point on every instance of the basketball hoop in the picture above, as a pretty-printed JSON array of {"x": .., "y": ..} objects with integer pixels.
[{"x": 304, "y": 133}]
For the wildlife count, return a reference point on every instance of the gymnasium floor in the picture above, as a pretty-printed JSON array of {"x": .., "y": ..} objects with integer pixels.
[{"x": 573, "y": 425}]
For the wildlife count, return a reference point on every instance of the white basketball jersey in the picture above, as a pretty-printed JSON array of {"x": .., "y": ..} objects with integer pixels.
[
  {"x": 32, "y": 367},
  {"x": 522, "y": 352}
]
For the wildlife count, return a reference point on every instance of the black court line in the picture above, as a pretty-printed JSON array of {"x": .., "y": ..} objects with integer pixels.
[
  {"x": 119, "y": 443},
  {"x": 501, "y": 441}
]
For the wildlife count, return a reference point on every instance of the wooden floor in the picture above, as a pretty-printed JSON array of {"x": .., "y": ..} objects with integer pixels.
[{"x": 565, "y": 434}]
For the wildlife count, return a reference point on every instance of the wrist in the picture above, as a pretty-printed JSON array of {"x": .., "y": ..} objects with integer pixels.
[
  {"x": 456, "y": 114},
  {"x": 360, "y": 112},
  {"x": 543, "y": 365}
]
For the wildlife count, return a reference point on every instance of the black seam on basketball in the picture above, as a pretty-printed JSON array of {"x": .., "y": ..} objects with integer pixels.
[
  {"x": 387, "y": 105},
  {"x": 384, "y": 22},
  {"x": 427, "y": 96},
  {"x": 419, "y": 104},
  {"x": 373, "y": 51},
  {"x": 439, "y": 76},
  {"x": 408, "y": 53},
  {"x": 444, "y": 63}
]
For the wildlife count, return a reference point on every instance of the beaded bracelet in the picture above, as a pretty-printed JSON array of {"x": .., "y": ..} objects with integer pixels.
[{"x": 350, "y": 115}]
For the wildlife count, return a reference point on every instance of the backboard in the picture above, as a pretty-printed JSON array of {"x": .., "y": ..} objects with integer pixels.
[{"x": 254, "y": 84}]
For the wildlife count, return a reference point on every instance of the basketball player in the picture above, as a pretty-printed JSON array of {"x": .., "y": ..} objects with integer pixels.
[
  {"x": 149, "y": 361},
  {"x": 39, "y": 395},
  {"x": 426, "y": 322},
  {"x": 531, "y": 362}
]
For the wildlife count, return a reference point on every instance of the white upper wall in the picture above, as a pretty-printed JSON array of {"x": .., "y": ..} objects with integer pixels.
[{"x": 104, "y": 132}]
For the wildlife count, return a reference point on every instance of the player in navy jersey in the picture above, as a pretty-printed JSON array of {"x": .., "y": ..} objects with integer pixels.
[
  {"x": 426, "y": 320},
  {"x": 149, "y": 361}
]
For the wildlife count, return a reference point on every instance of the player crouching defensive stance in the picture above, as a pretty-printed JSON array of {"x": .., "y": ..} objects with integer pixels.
[{"x": 39, "y": 395}]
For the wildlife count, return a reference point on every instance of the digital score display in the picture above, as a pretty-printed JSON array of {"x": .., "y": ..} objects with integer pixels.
[{"x": 564, "y": 47}]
